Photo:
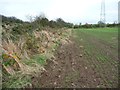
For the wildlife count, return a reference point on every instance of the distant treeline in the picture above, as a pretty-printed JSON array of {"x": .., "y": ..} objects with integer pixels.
[
  {"x": 95, "y": 25},
  {"x": 42, "y": 21}
]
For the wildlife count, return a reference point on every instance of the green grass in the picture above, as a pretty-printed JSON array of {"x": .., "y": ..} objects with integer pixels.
[
  {"x": 17, "y": 81},
  {"x": 36, "y": 59},
  {"x": 40, "y": 59}
]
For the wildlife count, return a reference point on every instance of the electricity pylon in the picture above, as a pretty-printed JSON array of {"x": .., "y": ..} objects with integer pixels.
[{"x": 102, "y": 14}]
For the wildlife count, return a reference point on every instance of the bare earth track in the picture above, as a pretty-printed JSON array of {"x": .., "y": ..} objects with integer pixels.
[{"x": 74, "y": 69}]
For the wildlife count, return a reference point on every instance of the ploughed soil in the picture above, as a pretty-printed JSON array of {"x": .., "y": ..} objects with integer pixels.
[{"x": 72, "y": 68}]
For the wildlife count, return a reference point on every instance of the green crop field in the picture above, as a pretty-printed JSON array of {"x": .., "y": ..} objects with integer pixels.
[{"x": 101, "y": 51}]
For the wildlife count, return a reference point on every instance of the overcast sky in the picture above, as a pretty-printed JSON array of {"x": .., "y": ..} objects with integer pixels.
[{"x": 74, "y": 11}]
